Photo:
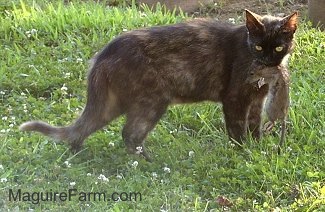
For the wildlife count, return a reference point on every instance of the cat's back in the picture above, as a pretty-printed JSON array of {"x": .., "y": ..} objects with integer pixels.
[{"x": 186, "y": 37}]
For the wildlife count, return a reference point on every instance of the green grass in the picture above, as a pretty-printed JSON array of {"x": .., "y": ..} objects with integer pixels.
[{"x": 43, "y": 64}]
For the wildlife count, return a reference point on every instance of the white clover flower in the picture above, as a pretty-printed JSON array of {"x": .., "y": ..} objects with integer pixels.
[
  {"x": 119, "y": 176},
  {"x": 135, "y": 164},
  {"x": 25, "y": 108},
  {"x": 103, "y": 178},
  {"x": 4, "y": 118},
  {"x": 111, "y": 144},
  {"x": 64, "y": 88},
  {"x": 67, "y": 75},
  {"x": 88, "y": 174},
  {"x": 11, "y": 125},
  {"x": 166, "y": 169},
  {"x": 139, "y": 150},
  {"x": 231, "y": 20},
  {"x": 191, "y": 153},
  {"x": 154, "y": 175},
  {"x": 277, "y": 209},
  {"x": 173, "y": 131},
  {"x": 67, "y": 164},
  {"x": 3, "y": 180},
  {"x": 33, "y": 31},
  {"x": 72, "y": 183},
  {"x": 3, "y": 131},
  {"x": 2, "y": 93}
]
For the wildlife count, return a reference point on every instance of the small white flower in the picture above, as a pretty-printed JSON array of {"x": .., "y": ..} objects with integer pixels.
[
  {"x": 139, "y": 150},
  {"x": 64, "y": 88},
  {"x": 88, "y": 174},
  {"x": 33, "y": 31},
  {"x": 166, "y": 169},
  {"x": 277, "y": 209},
  {"x": 22, "y": 94},
  {"x": 67, "y": 163},
  {"x": 3, "y": 131},
  {"x": 124, "y": 30},
  {"x": 135, "y": 164},
  {"x": 102, "y": 177},
  {"x": 231, "y": 20},
  {"x": 67, "y": 75},
  {"x": 73, "y": 183},
  {"x": 79, "y": 60},
  {"x": 2, "y": 93},
  {"x": 111, "y": 144},
  {"x": 119, "y": 176},
  {"x": 4, "y": 118},
  {"x": 173, "y": 131},
  {"x": 289, "y": 149},
  {"x": 11, "y": 125},
  {"x": 3, "y": 180},
  {"x": 1, "y": 167},
  {"x": 154, "y": 175},
  {"x": 263, "y": 153},
  {"x": 96, "y": 183},
  {"x": 191, "y": 153}
]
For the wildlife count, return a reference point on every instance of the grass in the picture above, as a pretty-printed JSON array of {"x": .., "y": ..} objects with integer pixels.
[{"x": 43, "y": 64}]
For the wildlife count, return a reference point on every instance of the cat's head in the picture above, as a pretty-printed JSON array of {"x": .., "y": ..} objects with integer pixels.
[{"x": 270, "y": 38}]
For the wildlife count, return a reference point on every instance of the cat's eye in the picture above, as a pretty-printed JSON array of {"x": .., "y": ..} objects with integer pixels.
[
  {"x": 279, "y": 48},
  {"x": 258, "y": 48}
]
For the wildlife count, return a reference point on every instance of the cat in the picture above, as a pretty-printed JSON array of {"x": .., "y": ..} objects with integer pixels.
[
  {"x": 277, "y": 102},
  {"x": 141, "y": 72}
]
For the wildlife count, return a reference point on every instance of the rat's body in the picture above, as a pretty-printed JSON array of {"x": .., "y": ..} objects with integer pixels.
[{"x": 277, "y": 102}]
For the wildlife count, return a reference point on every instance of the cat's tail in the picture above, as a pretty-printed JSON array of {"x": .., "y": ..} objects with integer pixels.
[
  {"x": 101, "y": 108},
  {"x": 58, "y": 133}
]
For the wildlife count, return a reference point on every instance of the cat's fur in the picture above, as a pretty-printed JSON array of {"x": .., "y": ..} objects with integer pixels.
[
  {"x": 141, "y": 72},
  {"x": 277, "y": 103}
]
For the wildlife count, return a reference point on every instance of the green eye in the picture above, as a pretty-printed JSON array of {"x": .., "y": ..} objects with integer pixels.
[
  {"x": 279, "y": 48},
  {"x": 258, "y": 48}
]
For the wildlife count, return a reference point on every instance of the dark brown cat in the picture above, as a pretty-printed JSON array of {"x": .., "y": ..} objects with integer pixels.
[{"x": 141, "y": 72}]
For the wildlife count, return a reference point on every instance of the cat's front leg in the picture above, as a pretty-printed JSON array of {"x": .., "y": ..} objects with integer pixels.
[{"x": 235, "y": 112}]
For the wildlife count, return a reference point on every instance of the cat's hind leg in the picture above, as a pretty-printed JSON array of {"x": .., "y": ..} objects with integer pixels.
[{"x": 140, "y": 120}]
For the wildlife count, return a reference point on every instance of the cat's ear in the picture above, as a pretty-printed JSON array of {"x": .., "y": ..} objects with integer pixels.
[
  {"x": 289, "y": 23},
  {"x": 253, "y": 23}
]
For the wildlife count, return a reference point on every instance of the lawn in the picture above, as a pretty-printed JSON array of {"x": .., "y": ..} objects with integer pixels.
[{"x": 45, "y": 50}]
